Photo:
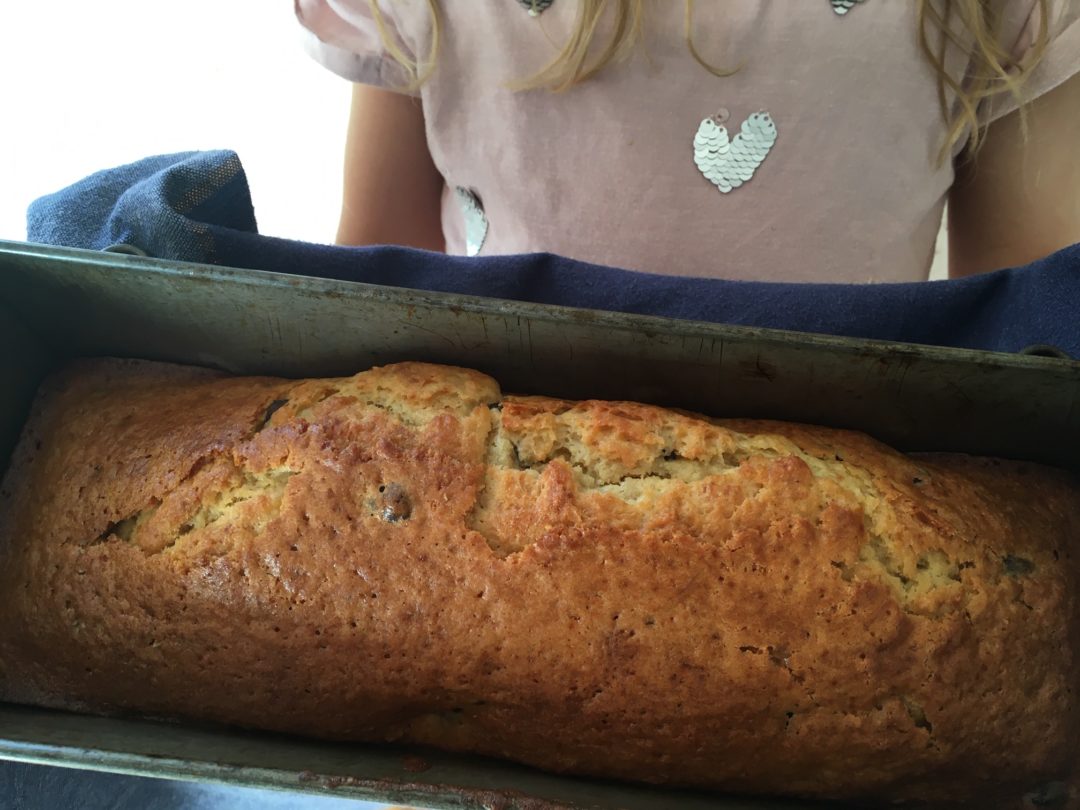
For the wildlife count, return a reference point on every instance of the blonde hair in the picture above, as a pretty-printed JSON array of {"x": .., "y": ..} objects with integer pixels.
[{"x": 969, "y": 25}]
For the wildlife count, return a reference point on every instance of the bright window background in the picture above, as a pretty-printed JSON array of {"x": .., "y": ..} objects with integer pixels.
[
  {"x": 86, "y": 86},
  {"x": 90, "y": 85}
]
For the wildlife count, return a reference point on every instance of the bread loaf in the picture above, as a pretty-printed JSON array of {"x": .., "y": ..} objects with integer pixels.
[{"x": 601, "y": 588}]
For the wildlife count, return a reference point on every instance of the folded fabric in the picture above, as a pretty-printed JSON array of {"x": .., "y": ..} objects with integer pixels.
[{"x": 196, "y": 206}]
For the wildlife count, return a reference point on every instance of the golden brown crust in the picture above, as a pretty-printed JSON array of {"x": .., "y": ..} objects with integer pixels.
[{"x": 599, "y": 587}]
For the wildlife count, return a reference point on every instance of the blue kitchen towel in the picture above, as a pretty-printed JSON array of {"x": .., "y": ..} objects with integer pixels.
[{"x": 196, "y": 206}]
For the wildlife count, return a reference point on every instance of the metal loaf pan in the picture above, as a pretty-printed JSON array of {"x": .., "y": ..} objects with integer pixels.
[{"x": 58, "y": 303}]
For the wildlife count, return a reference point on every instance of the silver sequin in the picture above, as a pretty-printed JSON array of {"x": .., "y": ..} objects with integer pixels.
[
  {"x": 842, "y": 7},
  {"x": 476, "y": 224},
  {"x": 728, "y": 163},
  {"x": 536, "y": 7}
]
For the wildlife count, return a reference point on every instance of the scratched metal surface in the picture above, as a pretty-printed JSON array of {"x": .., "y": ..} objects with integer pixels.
[
  {"x": 249, "y": 322},
  {"x": 25, "y": 786},
  {"x": 376, "y": 773},
  {"x": 57, "y": 303}
]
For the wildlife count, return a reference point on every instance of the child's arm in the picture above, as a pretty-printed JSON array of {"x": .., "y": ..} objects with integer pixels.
[
  {"x": 392, "y": 191},
  {"x": 1019, "y": 201}
]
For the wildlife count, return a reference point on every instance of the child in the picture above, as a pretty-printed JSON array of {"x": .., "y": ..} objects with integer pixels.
[{"x": 786, "y": 140}]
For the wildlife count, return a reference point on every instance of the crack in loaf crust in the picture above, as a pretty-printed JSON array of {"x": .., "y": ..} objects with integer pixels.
[{"x": 601, "y": 588}]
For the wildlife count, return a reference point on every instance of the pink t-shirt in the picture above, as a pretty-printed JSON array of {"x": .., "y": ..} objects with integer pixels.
[{"x": 824, "y": 170}]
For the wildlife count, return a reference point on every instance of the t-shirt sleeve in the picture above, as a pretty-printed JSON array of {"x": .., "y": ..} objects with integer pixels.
[
  {"x": 1060, "y": 61},
  {"x": 345, "y": 37}
]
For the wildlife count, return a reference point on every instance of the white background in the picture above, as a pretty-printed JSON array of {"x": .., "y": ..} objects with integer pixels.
[{"x": 90, "y": 85}]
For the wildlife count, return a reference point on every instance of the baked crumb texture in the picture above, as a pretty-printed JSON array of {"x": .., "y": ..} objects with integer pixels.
[{"x": 600, "y": 588}]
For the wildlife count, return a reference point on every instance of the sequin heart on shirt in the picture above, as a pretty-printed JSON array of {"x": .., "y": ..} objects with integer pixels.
[
  {"x": 476, "y": 223},
  {"x": 842, "y": 7},
  {"x": 536, "y": 7},
  {"x": 726, "y": 162}
]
